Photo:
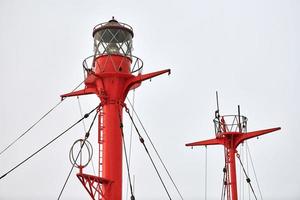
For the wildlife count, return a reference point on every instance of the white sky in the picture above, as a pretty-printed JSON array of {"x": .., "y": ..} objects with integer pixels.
[{"x": 247, "y": 50}]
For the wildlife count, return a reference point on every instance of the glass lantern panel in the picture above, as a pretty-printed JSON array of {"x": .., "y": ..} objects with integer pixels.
[{"x": 113, "y": 41}]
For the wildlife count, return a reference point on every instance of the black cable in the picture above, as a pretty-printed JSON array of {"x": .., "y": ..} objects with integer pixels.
[
  {"x": 130, "y": 141},
  {"x": 247, "y": 177},
  {"x": 87, "y": 134},
  {"x": 43, "y": 147},
  {"x": 84, "y": 128},
  {"x": 126, "y": 158},
  {"x": 223, "y": 184},
  {"x": 159, "y": 157},
  {"x": 35, "y": 123},
  {"x": 146, "y": 149},
  {"x": 225, "y": 169}
]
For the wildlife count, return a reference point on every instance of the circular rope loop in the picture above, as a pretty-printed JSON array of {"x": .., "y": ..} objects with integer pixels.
[{"x": 82, "y": 143}]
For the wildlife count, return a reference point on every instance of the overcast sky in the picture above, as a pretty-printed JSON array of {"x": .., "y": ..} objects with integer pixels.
[{"x": 246, "y": 50}]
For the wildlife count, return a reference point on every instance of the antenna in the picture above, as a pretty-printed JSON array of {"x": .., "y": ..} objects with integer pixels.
[
  {"x": 217, "y": 112},
  {"x": 239, "y": 119}
]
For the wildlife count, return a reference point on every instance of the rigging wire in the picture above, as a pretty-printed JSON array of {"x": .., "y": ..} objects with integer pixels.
[
  {"x": 81, "y": 113},
  {"x": 146, "y": 149},
  {"x": 243, "y": 174},
  {"x": 126, "y": 157},
  {"x": 84, "y": 128},
  {"x": 130, "y": 140},
  {"x": 224, "y": 184},
  {"x": 87, "y": 134},
  {"x": 251, "y": 161},
  {"x": 247, "y": 166},
  {"x": 240, "y": 174},
  {"x": 54, "y": 139},
  {"x": 247, "y": 177},
  {"x": 152, "y": 144},
  {"x": 35, "y": 123}
]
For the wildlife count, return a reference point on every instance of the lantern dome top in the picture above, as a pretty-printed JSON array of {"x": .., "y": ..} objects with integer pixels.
[{"x": 113, "y": 24}]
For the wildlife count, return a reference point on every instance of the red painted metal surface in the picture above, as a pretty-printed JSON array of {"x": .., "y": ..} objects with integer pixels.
[
  {"x": 230, "y": 140},
  {"x": 110, "y": 79}
]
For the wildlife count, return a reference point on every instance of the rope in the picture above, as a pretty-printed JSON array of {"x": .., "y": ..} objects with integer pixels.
[
  {"x": 254, "y": 171},
  {"x": 146, "y": 149},
  {"x": 126, "y": 158},
  {"x": 243, "y": 175},
  {"x": 84, "y": 128},
  {"x": 87, "y": 134},
  {"x": 158, "y": 155},
  {"x": 43, "y": 147},
  {"x": 130, "y": 141},
  {"x": 247, "y": 177},
  {"x": 35, "y": 123},
  {"x": 224, "y": 184},
  {"x": 240, "y": 174},
  {"x": 247, "y": 166}
]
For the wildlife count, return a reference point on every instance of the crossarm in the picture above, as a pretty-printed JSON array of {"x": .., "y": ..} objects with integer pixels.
[
  {"x": 142, "y": 77},
  {"x": 80, "y": 92},
  {"x": 215, "y": 141},
  {"x": 253, "y": 134}
]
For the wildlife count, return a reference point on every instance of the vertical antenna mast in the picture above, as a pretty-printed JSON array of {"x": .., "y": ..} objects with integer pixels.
[
  {"x": 239, "y": 119},
  {"x": 217, "y": 112}
]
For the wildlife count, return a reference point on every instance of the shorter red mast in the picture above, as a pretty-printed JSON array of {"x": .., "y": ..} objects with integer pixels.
[{"x": 231, "y": 130}]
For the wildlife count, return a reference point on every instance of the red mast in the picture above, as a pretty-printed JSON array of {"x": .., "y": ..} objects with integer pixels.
[
  {"x": 231, "y": 130},
  {"x": 113, "y": 72}
]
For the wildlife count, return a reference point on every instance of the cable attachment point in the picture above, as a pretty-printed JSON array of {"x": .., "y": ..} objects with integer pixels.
[
  {"x": 248, "y": 180},
  {"x": 87, "y": 134},
  {"x": 142, "y": 140},
  {"x": 86, "y": 115}
]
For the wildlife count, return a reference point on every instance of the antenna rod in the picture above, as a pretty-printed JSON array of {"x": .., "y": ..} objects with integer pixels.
[
  {"x": 239, "y": 118},
  {"x": 217, "y": 114},
  {"x": 217, "y": 98}
]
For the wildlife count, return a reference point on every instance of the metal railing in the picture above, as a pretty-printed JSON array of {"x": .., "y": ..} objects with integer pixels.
[
  {"x": 120, "y": 23},
  {"x": 89, "y": 64},
  {"x": 230, "y": 123}
]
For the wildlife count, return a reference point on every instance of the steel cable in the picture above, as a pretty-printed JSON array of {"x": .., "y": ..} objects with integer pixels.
[
  {"x": 84, "y": 128},
  {"x": 260, "y": 193},
  {"x": 158, "y": 155},
  {"x": 35, "y": 123},
  {"x": 43, "y": 147},
  {"x": 247, "y": 177},
  {"x": 130, "y": 140},
  {"x": 83, "y": 143},
  {"x": 146, "y": 149},
  {"x": 126, "y": 158}
]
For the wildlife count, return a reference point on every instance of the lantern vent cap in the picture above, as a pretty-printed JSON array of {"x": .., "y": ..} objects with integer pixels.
[{"x": 113, "y": 24}]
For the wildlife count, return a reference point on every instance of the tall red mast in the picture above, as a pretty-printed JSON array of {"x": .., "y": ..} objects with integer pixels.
[
  {"x": 231, "y": 130},
  {"x": 112, "y": 72}
]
